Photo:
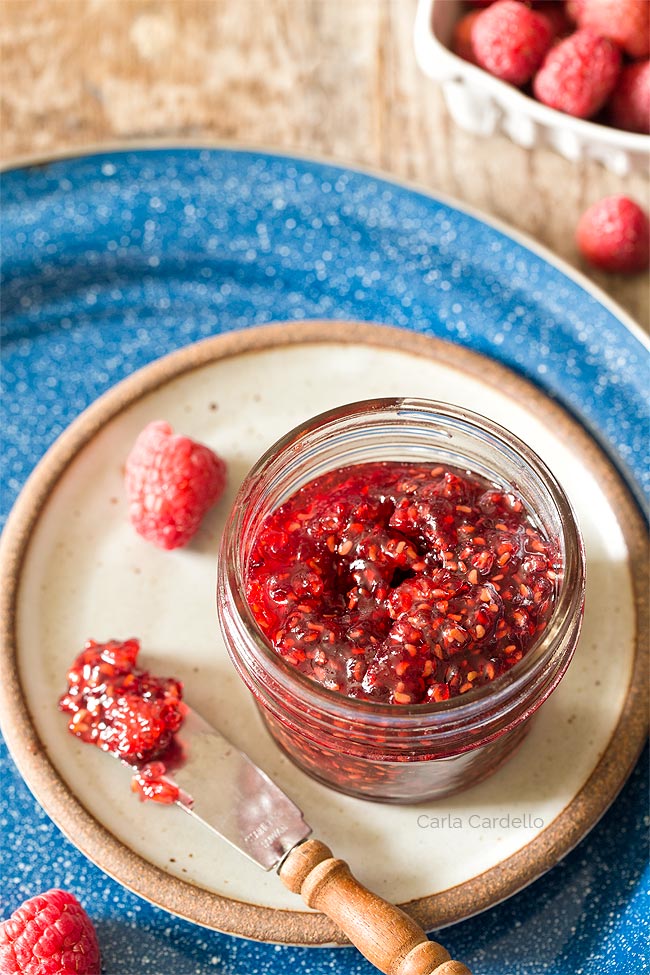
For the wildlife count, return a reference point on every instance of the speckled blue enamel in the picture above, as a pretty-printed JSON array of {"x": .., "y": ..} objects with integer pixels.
[{"x": 111, "y": 261}]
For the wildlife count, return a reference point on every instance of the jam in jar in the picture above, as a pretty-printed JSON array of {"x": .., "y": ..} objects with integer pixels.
[
  {"x": 401, "y": 587},
  {"x": 401, "y": 583}
]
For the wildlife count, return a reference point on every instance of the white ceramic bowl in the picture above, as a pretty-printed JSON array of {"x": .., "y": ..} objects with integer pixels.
[{"x": 482, "y": 104}]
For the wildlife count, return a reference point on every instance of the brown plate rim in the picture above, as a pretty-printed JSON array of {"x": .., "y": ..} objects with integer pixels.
[{"x": 239, "y": 917}]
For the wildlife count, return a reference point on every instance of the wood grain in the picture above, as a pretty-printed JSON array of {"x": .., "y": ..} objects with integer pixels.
[
  {"x": 329, "y": 77},
  {"x": 388, "y": 937}
]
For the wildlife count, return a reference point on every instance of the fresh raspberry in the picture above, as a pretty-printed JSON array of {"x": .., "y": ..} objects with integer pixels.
[
  {"x": 578, "y": 74},
  {"x": 50, "y": 934},
  {"x": 626, "y": 22},
  {"x": 613, "y": 234},
  {"x": 629, "y": 106},
  {"x": 573, "y": 9},
  {"x": 510, "y": 40},
  {"x": 461, "y": 39},
  {"x": 171, "y": 481}
]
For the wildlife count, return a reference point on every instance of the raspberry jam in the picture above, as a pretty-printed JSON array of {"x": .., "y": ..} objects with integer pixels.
[
  {"x": 126, "y": 711},
  {"x": 401, "y": 583},
  {"x": 152, "y": 782},
  {"x": 400, "y": 586}
]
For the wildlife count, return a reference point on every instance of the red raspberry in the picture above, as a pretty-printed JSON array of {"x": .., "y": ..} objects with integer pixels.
[
  {"x": 50, "y": 934},
  {"x": 461, "y": 39},
  {"x": 626, "y": 22},
  {"x": 613, "y": 234},
  {"x": 171, "y": 481},
  {"x": 510, "y": 40},
  {"x": 578, "y": 74},
  {"x": 629, "y": 106}
]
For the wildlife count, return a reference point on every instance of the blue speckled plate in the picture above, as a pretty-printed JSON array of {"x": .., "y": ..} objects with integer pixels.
[{"x": 112, "y": 260}]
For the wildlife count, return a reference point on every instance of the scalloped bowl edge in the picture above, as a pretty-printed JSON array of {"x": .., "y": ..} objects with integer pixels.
[{"x": 484, "y": 105}]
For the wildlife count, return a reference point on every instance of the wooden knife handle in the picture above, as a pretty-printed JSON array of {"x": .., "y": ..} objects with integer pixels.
[{"x": 388, "y": 937}]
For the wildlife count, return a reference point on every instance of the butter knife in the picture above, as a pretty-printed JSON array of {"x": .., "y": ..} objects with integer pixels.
[{"x": 226, "y": 792}]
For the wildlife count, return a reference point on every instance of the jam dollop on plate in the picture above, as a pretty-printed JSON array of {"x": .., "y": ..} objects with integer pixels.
[
  {"x": 401, "y": 583},
  {"x": 127, "y": 711}
]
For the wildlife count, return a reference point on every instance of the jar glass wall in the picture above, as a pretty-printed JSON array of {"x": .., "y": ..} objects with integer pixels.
[{"x": 388, "y": 752}]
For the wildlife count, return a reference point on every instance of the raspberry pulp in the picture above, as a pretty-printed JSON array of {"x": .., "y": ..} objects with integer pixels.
[
  {"x": 401, "y": 584},
  {"x": 118, "y": 707},
  {"x": 152, "y": 782}
]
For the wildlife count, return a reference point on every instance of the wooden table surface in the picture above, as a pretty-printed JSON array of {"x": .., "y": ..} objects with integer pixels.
[{"x": 335, "y": 78}]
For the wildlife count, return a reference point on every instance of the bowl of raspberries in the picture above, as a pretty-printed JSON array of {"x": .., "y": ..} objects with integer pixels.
[{"x": 574, "y": 75}]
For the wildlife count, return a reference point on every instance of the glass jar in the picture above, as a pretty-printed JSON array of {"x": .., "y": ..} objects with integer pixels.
[{"x": 387, "y": 752}]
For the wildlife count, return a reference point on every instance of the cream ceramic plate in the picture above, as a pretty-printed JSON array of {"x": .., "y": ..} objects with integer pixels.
[{"x": 72, "y": 568}]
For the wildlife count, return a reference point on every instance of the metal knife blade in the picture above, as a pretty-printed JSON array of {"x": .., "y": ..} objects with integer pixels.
[
  {"x": 233, "y": 797},
  {"x": 236, "y": 800}
]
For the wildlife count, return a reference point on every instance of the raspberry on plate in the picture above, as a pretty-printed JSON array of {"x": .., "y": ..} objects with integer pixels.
[
  {"x": 50, "y": 934},
  {"x": 629, "y": 106},
  {"x": 578, "y": 74},
  {"x": 613, "y": 235},
  {"x": 510, "y": 40},
  {"x": 171, "y": 481},
  {"x": 626, "y": 22}
]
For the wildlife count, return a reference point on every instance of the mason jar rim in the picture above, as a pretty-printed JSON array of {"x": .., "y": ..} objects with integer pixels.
[{"x": 503, "y": 690}]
